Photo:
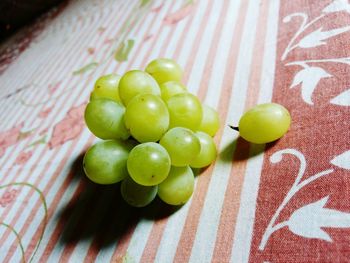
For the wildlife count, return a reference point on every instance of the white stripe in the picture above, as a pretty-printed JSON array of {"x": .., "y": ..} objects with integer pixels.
[
  {"x": 203, "y": 48},
  {"x": 204, "y": 242},
  {"x": 171, "y": 235},
  {"x": 246, "y": 214},
  {"x": 172, "y": 232}
]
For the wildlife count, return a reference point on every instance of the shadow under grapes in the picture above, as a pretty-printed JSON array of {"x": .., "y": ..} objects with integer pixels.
[{"x": 99, "y": 213}]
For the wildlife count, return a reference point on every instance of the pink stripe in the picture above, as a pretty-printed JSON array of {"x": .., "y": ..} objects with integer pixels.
[
  {"x": 148, "y": 53},
  {"x": 185, "y": 32},
  {"x": 209, "y": 63},
  {"x": 197, "y": 42},
  {"x": 225, "y": 234},
  {"x": 224, "y": 240},
  {"x": 185, "y": 245},
  {"x": 169, "y": 36}
]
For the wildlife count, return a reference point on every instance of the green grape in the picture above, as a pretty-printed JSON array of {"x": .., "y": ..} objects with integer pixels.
[
  {"x": 264, "y": 123},
  {"x": 147, "y": 118},
  {"x": 164, "y": 69},
  {"x": 106, "y": 87},
  {"x": 185, "y": 110},
  {"x": 136, "y": 82},
  {"x": 178, "y": 187},
  {"x": 182, "y": 145},
  {"x": 171, "y": 88},
  {"x": 137, "y": 195},
  {"x": 208, "y": 151},
  {"x": 148, "y": 164},
  {"x": 105, "y": 119},
  {"x": 210, "y": 121},
  {"x": 105, "y": 162}
]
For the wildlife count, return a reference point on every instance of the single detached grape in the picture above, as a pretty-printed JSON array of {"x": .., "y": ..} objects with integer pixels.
[
  {"x": 171, "y": 88},
  {"x": 105, "y": 119},
  {"x": 185, "y": 111},
  {"x": 148, "y": 164},
  {"x": 208, "y": 151},
  {"x": 106, "y": 87},
  {"x": 147, "y": 118},
  {"x": 264, "y": 123},
  {"x": 178, "y": 187},
  {"x": 136, "y": 82},
  {"x": 164, "y": 69},
  {"x": 105, "y": 162},
  {"x": 137, "y": 195},
  {"x": 210, "y": 121},
  {"x": 182, "y": 145}
]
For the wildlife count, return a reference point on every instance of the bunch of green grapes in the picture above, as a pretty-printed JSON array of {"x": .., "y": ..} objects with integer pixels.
[{"x": 154, "y": 132}]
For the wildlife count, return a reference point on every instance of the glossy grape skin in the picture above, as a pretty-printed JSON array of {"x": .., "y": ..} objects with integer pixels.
[
  {"x": 182, "y": 145},
  {"x": 210, "y": 122},
  {"x": 137, "y": 195},
  {"x": 148, "y": 164},
  {"x": 105, "y": 162},
  {"x": 178, "y": 187},
  {"x": 147, "y": 118},
  {"x": 136, "y": 82},
  {"x": 106, "y": 87},
  {"x": 207, "y": 153},
  {"x": 171, "y": 88},
  {"x": 164, "y": 69},
  {"x": 185, "y": 110},
  {"x": 105, "y": 119},
  {"x": 264, "y": 123}
]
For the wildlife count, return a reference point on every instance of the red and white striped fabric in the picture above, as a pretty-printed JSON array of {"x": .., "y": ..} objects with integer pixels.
[{"x": 282, "y": 202}]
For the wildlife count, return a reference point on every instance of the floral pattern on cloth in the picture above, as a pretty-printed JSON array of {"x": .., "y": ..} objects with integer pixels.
[
  {"x": 23, "y": 157},
  {"x": 10, "y": 137},
  {"x": 8, "y": 197},
  {"x": 69, "y": 127},
  {"x": 307, "y": 211}
]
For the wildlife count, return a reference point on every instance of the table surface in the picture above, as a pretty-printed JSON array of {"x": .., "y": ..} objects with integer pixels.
[{"x": 286, "y": 201}]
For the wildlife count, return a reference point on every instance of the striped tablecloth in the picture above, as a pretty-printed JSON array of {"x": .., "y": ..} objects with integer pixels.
[{"x": 283, "y": 202}]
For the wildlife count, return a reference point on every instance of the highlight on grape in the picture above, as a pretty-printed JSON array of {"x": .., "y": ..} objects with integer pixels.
[{"x": 154, "y": 132}]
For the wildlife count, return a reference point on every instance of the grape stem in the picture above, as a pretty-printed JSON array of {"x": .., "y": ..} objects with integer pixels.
[{"x": 234, "y": 128}]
